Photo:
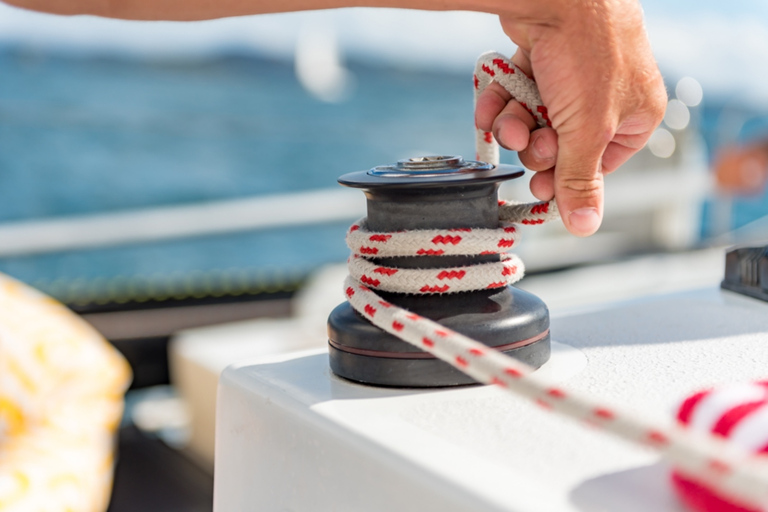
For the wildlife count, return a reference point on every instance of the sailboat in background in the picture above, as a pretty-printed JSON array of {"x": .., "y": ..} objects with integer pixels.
[{"x": 319, "y": 64}]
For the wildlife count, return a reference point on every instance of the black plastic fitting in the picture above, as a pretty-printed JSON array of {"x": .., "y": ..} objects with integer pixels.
[
  {"x": 746, "y": 271},
  {"x": 435, "y": 192}
]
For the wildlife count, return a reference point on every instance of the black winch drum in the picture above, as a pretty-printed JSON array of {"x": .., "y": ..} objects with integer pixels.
[{"x": 435, "y": 192}]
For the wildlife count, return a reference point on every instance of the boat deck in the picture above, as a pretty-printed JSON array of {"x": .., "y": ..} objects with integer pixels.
[{"x": 293, "y": 436}]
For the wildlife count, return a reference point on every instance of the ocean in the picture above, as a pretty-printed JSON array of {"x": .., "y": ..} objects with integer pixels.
[{"x": 83, "y": 134}]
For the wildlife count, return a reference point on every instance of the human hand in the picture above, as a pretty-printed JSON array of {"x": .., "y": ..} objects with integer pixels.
[{"x": 597, "y": 76}]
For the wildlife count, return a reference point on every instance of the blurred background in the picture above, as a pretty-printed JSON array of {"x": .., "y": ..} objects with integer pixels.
[{"x": 162, "y": 177}]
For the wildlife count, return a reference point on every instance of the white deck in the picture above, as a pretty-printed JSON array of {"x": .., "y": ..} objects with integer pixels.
[{"x": 291, "y": 436}]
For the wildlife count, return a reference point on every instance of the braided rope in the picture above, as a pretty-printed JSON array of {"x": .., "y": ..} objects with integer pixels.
[
  {"x": 443, "y": 280},
  {"x": 430, "y": 242},
  {"x": 707, "y": 459}
]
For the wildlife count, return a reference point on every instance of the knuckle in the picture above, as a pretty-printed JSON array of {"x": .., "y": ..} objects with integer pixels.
[
  {"x": 582, "y": 187},
  {"x": 496, "y": 93},
  {"x": 489, "y": 106},
  {"x": 533, "y": 163},
  {"x": 657, "y": 102},
  {"x": 658, "y": 109}
]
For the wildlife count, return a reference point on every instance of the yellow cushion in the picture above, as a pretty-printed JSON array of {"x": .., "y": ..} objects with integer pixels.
[{"x": 61, "y": 400}]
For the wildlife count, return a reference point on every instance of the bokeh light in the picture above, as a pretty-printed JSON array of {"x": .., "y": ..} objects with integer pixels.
[
  {"x": 677, "y": 116},
  {"x": 689, "y": 91},
  {"x": 662, "y": 143}
]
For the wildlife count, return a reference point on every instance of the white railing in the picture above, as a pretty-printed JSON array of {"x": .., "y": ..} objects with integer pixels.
[{"x": 164, "y": 223}]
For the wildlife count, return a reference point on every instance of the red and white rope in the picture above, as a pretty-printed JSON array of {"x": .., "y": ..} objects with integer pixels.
[
  {"x": 494, "y": 67},
  {"x": 442, "y": 280},
  {"x": 707, "y": 459},
  {"x": 444, "y": 242},
  {"x": 736, "y": 412}
]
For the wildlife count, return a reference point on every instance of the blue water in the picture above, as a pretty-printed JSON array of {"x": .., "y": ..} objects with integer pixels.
[
  {"x": 81, "y": 135},
  {"x": 85, "y": 135}
]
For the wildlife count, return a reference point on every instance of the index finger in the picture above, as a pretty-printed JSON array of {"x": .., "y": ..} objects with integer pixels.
[{"x": 490, "y": 103}]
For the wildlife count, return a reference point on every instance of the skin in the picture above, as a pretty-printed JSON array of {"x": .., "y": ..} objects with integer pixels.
[
  {"x": 591, "y": 60},
  {"x": 605, "y": 96}
]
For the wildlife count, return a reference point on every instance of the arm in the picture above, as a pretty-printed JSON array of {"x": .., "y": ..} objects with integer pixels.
[
  {"x": 591, "y": 60},
  {"x": 194, "y": 10}
]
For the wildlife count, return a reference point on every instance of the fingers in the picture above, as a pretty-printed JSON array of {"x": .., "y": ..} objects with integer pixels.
[
  {"x": 615, "y": 155},
  {"x": 543, "y": 182},
  {"x": 568, "y": 171},
  {"x": 597, "y": 76},
  {"x": 512, "y": 127},
  {"x": 497, "y": 112},
  {"x": 489, "y": 104},
  {"x": 578, "y": 181},
  {"x": 578, "y": 185},
  {"x": 543, "y": 185},
  {"x": 509, "y": 121},
  {"x": 541, "y": 152}
]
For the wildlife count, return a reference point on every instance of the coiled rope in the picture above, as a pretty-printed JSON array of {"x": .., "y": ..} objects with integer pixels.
[
  {"x": 442, "y": 242},
  {"x": 705, "y": 458}
]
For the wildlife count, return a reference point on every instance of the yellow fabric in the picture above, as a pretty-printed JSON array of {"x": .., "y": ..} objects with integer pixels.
[{"x": 61, "y": 399}]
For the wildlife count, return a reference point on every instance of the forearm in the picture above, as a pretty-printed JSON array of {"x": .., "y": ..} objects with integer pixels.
[{"x": 190, "y": 10}]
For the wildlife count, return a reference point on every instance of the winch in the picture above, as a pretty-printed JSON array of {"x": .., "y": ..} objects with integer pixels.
[{"x": 428, "y": 193}]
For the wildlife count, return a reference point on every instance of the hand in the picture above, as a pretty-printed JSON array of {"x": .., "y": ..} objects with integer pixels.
[{"x": 597, "y": 76}]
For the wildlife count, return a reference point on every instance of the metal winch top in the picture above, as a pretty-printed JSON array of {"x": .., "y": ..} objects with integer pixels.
[
  {"x": 426, "y": 171},
  {"x": 435, "y": 192}
]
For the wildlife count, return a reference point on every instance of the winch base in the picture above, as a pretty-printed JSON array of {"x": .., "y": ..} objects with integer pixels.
[{"x": 510, "y": 320}]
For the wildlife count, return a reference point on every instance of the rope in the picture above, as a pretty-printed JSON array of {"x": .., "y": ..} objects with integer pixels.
[
  {"x": 435, "y": 242},
  {"x": 494, "y": 67},
  {"x": 705, "y": 458}
]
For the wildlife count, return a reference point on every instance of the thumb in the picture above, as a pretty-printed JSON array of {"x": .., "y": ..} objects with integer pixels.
[{"x": 579, "y": 186}]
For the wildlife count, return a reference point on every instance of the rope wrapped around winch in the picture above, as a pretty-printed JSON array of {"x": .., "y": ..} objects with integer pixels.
[{"x": 707, "y": 459}]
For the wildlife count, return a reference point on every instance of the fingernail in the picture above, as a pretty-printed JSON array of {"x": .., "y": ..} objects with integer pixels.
[
  {"x": 542, "y": 150},
  {"x": 498, "y": 135},
  {"x": 584, "y": 221}
]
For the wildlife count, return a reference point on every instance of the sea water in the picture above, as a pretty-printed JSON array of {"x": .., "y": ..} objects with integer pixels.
[
  {"x": 88, "y": 135},
  {"x": 85, "y": 135}
]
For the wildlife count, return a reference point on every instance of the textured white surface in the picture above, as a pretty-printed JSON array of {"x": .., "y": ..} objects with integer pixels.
[
  {"x": 293, "y": 437},
  {"x": 197, "y": 356}
]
